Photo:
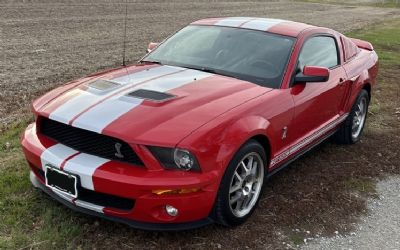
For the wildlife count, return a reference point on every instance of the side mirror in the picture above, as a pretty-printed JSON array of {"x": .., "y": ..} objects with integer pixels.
[
  {"x": 151, "y": 47},
  {"x": 312, "y": 74}
]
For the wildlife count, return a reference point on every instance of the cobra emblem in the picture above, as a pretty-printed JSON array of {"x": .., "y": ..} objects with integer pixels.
[{"x": 118, "y": 149}]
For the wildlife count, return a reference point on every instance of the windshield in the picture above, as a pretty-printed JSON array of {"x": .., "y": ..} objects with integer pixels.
[{"x": 250, "y": 55}]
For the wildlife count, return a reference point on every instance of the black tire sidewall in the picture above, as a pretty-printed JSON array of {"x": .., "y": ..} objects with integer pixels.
[
  {"x": 363, "y": 93},
  {"x": 223, "y": 212}
]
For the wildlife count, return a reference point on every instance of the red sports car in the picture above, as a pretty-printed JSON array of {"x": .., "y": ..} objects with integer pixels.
[{"x": 190, "y": 134}]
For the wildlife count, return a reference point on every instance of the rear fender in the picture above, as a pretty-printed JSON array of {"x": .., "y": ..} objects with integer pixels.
[
  {"x": 367, "y": 65},
  {"x": 357, "y": 85}
]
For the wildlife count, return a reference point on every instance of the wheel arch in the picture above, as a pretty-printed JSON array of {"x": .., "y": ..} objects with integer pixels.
[
  {"x": 217, "y": 143},
  {"x": 249, "y": 128},
  {"x": 367, "y": 87},
  {"x": 363, "y": 83},
  {"x": 264, "y": 142}
]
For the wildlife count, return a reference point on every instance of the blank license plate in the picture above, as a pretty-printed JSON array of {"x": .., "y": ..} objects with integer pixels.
[{"x": 61, "y": 181}]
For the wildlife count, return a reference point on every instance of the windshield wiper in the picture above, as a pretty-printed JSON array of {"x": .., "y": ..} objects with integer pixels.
[
  {"x": 204, "y": 69},
  {"x": 151, "y": 61},
  {"x": 210, "y": 70}
]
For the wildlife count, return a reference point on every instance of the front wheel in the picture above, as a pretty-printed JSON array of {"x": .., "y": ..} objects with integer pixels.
[
  {"x": 241, "y": 185},
  {"x": 351, "y": 129}
]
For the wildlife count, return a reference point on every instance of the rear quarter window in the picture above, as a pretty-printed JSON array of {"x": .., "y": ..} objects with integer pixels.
[{"x": 350, "y": 49}]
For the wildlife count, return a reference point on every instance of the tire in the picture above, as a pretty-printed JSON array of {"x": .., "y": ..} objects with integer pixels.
[
  {"x": 347, "y": 133},
  {"x": 227, "y": 211}
]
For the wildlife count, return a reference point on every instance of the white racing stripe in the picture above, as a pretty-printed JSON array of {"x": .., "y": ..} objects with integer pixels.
[
  {"x": 89, "y": 205},
  {"x": 249, "y": 22},
  {"x": 62, "y": 195},
  {"x": 85, "y": 99},
  {"x": 262, "y": 24},
  {"x": 84, "y": 166},
  {"x": 233, "y": 21},
  {"x": 56, "y": 155},
  {"x": 103, "y": 114}
]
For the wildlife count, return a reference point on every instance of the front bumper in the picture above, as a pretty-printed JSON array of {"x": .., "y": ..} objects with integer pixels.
[
  {"x": 131, "y": 223},
  {"x": 123, "y": 181}
]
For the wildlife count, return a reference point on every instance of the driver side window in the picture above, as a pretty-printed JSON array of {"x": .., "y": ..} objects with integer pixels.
[{"x": 319, "y": 51}]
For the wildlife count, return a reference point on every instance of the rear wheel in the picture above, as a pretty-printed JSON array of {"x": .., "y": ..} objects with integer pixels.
[
  {"x": 241, "y": 185},
  {"x": 351, "y": 130}
]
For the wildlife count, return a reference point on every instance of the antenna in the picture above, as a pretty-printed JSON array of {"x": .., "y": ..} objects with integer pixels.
[{"x": 124, "y": 44}]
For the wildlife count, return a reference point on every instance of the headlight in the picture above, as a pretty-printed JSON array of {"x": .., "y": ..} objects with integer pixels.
[
  {"x": 183, "y": 159},
  {"x": 175, "y": 158}
]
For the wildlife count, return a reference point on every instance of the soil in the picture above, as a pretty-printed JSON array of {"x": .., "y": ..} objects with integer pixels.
[
  {"x": 44, "y": 44},
  {"x": 380, "y": 229}
]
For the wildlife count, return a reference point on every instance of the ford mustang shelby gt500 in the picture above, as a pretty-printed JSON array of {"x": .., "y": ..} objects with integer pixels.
[{"x": 188, "y": 135}]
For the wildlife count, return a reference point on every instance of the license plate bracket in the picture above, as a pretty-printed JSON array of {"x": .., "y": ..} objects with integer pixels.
[{"x": 61, "y": 181}]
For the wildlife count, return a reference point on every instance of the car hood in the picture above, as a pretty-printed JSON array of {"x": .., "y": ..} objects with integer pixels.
[{"x": 146, "y": 104}]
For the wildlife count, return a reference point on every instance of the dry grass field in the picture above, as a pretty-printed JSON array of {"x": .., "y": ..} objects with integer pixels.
[{"x": 46, "y": 43}]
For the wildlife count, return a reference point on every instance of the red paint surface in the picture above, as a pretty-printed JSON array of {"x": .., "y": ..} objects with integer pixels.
[{"x": 212, "y": 118}]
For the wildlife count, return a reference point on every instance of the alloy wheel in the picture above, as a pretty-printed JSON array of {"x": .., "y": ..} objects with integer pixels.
[
  {"x": 246, "y": 184},
  {"x": 359, "y": 118}
]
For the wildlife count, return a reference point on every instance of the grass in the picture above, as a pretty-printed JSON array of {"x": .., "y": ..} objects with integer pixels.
[
  {"x": 385, "y": 38},
  {"x": 28, "y": 219}
]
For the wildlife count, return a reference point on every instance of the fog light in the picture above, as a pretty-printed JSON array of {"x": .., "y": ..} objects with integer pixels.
[{"x": 171, "y": 210}]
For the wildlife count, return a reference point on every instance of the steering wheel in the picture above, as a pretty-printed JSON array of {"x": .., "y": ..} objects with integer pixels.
[{"x": 266, "y": 65}]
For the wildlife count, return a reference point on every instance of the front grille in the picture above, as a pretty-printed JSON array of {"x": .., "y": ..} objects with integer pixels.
[{"x": 89, "y": 142}]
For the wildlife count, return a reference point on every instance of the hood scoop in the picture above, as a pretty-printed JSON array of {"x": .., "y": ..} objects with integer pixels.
[
  {"x": 103, "y": 85},
  {"x": 151, "y": 95}
]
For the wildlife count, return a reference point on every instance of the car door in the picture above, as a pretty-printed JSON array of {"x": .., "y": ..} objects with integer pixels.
[{"x": 317, "y": 103}]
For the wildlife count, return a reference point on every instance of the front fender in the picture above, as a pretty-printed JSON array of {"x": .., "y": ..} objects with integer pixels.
[{"x": 216, "y": 143}]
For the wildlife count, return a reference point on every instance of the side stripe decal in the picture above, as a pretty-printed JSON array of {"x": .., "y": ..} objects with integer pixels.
[{"x": 295, "y": 148}]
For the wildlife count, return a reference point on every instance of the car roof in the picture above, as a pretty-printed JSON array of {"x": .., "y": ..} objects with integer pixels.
[{"x": 277, "y": 26}]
